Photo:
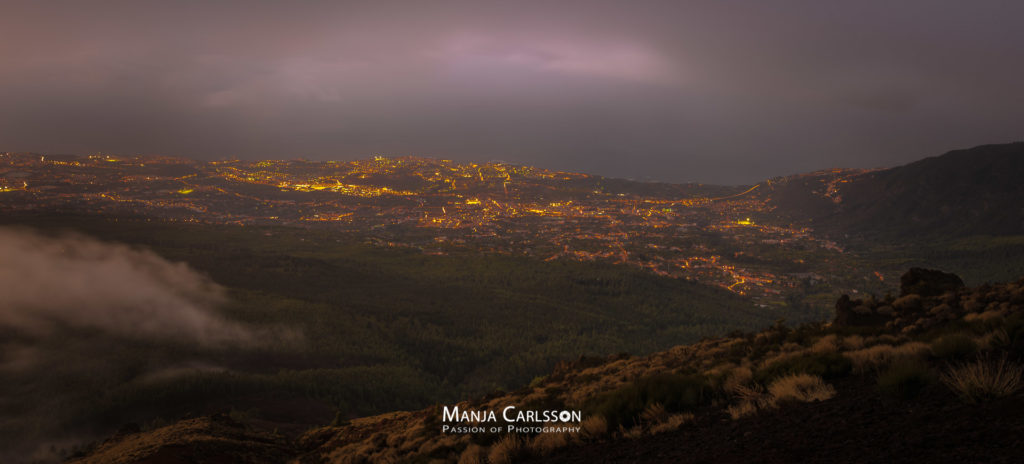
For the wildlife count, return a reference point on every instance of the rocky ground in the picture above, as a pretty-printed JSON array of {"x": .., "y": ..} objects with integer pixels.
[{"x": 859, "y": 424}]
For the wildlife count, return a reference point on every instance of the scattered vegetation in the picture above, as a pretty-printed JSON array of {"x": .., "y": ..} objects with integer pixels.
[
  {"x": 473, "y": 454},
  {"x": 543, "y": 444},
  {"x": 787, "y": 388},
  {"x": 800, "y": 387},
  {"x": 906, "y": 378},
  {"x": 376, "y": 329},
  {"x": 984, "y": 379},
  {"x": 828, "y": 365},
  {"x": 658, "y": 393},
  {"x": 670, "y": 423},
  {"x": 593, "y": 427},
  {"x": 740, "y": 375},
  {"x": 958, "y": 345},
  {"x": 880, "y": 356},
  {"x": 506, "y": 450}
]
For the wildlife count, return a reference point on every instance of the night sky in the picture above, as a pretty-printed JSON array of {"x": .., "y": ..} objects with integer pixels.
[{"x": 715, "y": 91}]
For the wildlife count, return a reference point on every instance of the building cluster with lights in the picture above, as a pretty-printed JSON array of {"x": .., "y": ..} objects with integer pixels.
[{"x": 707, "y": 233}]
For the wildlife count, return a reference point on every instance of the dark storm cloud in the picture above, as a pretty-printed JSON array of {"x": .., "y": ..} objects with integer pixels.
[{"x": 709, "y": 91}]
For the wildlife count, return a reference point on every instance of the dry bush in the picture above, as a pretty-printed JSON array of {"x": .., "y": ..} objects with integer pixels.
[
  {"x": 751, "y": 399},
  {"x": 880, "y": 356},
  {"x": 506, "y": 450},
  {"x": 826, "y": 344},
  {"x": 907, "y": 303},
  {"x": 349, "y": 456},
  {"x": 738, "y": 377},
  {"x": 800, "y": 387},
  {"x": 673, "y": 422},
  {"x": 884, "y": 339},
  {"x": 984, "y": 379},
  {"x": 754, "y": 395},
  {"x": 956, "y": 345},
  {"x": 790, "y": 347},
  {"x": 396, "y": 438},
  {"x": 853, "y": 342},
  {"x": 991, "y": 315},
  {"x": 720, "y": 370},
  {"x": 744, "y": 408},
  {"x": 473, "y": 454},
  {"x": 634, "y": 432},
  {"x": 912, "y": 350},
  {"x": 867, "y": 359},
  {"x": 826, "y": 365},
  {"x": 544, "y": 443},
  {"x": 998, "y": 338},
  {"x": 593, "y": 427},
  {"x": 411, "y": 444},
  {"x": 654, "y": 413},
  {"x": 438, "y": 443},
  {"x": 906, "y": 377},
  {"x": 388, "y": 456},
  {"x": 777, "y": 357}
]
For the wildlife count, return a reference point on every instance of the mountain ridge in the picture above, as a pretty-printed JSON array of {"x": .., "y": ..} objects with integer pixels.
[{"x": 974, "y": 191}]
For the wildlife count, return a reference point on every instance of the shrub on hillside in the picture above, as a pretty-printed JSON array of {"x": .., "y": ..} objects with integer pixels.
[
  {"x": 544, "y": 444},
  {"x": 506, "y": 451},
  {"x": 671, "y": 423},
  {"x": 824, "y": 365},
  {"x": 593, "y": 427},
  {"x": 1014, "y": 327},
  {"x": 984, "y": 379},
  {"x": 473, "y": 454},
  {"x": 675, "y": 393},
  {"x": 800, "y": 387},
  {"x": 881, "y": 356},
  {"x": 735, "y": 378},
  {"x": 958, "y": 345},
  {"x": 789, "y": 387},
  {"x": 906, "y": 378},
  {"x": 743, "y": 409}
]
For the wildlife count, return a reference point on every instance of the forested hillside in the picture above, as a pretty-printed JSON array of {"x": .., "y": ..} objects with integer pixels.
[{"x": 348, "y": 329}]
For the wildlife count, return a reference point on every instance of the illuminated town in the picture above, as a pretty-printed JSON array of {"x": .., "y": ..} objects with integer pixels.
[{"x": 725, "y": 236}]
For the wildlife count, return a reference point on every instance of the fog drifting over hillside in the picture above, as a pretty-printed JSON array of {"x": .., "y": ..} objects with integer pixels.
[
  {"x": 76, "y": 282},
  {"x": 75, "y": 311}
]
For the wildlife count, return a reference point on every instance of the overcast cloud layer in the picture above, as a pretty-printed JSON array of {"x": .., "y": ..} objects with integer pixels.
[{"x": 715, "y": 91}]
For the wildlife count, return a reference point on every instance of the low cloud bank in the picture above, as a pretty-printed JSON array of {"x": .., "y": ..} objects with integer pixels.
[
  {"x": 77, "y": 282},
  {"x": 92, "y": 333}
]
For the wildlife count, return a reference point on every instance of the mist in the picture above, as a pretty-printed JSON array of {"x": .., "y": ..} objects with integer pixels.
[
  {"x": 80, "y": 283},
  {"x": 90, "y": 329}
]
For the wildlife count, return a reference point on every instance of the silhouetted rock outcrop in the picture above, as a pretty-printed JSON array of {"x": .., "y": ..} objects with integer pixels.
[
  {"x": 925, "y": 295},
  {"x": 857, "y": 313},
  {"x": 930, "y": 298},
  {"x": 928, "y": 282}
]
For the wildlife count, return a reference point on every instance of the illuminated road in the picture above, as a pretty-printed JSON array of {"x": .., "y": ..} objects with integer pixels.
[{"x": 751, "y": 189}]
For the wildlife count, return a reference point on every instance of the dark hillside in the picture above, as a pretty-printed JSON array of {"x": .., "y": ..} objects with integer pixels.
[
  {"x": 977, "y": 191},
  {"x": 374, "y": 329},
  {"x": 934, "y": 376}
]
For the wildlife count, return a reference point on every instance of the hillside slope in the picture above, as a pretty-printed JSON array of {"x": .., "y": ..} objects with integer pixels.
[
  {"x": 977, "y": 191},
  {"x": 935, "y": 374},
  {"x": 345, "y": 328}
]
